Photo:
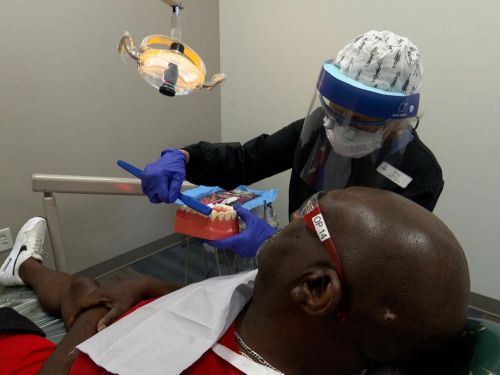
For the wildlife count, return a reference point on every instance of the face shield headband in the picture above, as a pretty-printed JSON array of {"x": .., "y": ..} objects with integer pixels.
[{"x": 369, "y": 101}]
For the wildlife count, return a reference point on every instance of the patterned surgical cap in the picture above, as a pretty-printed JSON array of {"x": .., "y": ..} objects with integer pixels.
[{"x": 383, "y": 60}]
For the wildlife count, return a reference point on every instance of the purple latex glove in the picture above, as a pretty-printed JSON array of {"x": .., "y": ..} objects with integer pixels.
[
  {"x": 162, "y": 179},
  {"x": 247, "y": 242}
]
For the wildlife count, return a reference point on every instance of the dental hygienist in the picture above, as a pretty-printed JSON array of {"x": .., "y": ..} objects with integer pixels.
[{"x": 360, "y": 130}]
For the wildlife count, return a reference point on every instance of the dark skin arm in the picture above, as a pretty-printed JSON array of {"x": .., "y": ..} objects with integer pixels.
[
  {"x": 59, "y": 293},
  {"x": 119, "y": 298},
  {"x": 60, "y": 362},
  {"x": 85, "y": 309}
]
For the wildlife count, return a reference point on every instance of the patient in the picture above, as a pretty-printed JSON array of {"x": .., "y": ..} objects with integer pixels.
[{"x": 391, "y": 286}]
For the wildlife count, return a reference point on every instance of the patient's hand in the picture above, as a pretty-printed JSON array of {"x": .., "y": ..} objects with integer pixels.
[{"x": 120, "y": 298}]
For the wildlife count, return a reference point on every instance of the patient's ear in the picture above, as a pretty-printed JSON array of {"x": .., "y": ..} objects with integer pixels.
[{"x": 319, "y": 293}]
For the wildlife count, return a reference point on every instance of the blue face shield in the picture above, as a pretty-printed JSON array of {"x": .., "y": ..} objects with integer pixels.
[
  {"x": 334, "y": 87},
  {"x": 348, "y": 127}
]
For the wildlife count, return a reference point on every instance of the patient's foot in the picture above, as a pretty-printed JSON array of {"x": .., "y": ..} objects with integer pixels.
[{"x": 28, "y": 245}]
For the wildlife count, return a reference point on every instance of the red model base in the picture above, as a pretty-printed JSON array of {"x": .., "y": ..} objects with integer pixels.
[{"x": 200, "y": 226}]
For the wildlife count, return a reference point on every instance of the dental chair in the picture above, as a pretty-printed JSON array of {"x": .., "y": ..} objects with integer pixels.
[
  {"x": 477, "y": 352},
  {"x": 483, "y": 337}
]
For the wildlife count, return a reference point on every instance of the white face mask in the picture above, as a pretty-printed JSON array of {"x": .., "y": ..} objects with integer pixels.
[{"x": 351, "y": 142}]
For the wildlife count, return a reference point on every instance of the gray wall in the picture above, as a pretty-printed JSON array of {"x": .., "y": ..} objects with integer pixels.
[
  {"x": 272, "y": 52},
  {"x": 68, "y": 105}
]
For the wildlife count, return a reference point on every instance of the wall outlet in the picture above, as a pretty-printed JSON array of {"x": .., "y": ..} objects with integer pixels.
[{"x": 5, "y": 239}]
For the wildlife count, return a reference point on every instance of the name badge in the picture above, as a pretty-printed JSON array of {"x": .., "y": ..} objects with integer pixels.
[{"x": 394, "y": 174}]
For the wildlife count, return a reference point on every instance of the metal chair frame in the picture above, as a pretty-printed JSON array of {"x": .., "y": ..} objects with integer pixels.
[{"x": 48, "y": 184}]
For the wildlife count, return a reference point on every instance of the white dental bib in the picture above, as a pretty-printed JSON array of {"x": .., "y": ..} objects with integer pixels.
[{"x": 169, "y": 334}]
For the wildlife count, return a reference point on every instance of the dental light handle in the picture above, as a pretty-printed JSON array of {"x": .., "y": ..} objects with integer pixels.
[
  {"x": 175, "y": 24},
  {"x": 175, "y": 19},
  {"x": 189, "y": 201}
]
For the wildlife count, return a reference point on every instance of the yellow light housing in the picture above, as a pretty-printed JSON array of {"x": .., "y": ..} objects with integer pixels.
[{"x": 167, "y": 63}]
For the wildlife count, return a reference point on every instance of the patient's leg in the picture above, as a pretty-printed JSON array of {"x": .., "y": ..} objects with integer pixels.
[
  {"x": 23, "y": 266},
  {"x": 56, "y": 291}
]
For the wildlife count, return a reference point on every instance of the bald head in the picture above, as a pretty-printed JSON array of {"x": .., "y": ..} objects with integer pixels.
[
  {"x": 407, "y": 275},
  {"x": 406, "y": 281}
]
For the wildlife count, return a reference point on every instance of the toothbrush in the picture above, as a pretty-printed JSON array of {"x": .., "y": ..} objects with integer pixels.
[{"x": 190, "y": 202}]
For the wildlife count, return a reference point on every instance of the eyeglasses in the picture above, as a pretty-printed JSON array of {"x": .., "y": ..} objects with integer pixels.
[
  {"x": 348, "y": 121},
  {"x": 315, "y": 222}
]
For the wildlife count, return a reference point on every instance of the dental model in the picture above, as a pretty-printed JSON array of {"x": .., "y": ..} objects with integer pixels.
[{"x": 222, "y": 222}]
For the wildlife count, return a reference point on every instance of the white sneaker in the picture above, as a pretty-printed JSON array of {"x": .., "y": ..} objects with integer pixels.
[{"x": 28, "y": 244}]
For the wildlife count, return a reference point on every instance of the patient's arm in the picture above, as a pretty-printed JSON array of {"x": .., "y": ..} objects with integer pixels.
[
  {"x": 84, "y": 308},
  {"x": 119, "y": 298},
  {"x": 64, "y": 355},
  {"x": 59, "y": 293}
]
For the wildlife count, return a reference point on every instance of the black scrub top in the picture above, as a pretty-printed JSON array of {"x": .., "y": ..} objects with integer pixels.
[{"x": 229, "y": 165}]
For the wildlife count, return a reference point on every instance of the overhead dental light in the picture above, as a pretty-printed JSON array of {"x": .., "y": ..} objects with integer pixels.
[{"x": 166, "y": 62}]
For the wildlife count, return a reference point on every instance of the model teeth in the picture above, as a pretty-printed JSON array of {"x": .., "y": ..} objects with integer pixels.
[{"x": 219, "y": 212}]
